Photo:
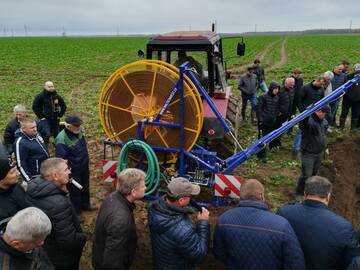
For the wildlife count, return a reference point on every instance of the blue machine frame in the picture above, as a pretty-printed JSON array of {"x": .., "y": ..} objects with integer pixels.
[{"x": 209, "y": 160}]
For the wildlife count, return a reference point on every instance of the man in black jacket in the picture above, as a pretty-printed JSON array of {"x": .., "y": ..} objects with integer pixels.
[
  {"x": 286, "y": 99},
  {"x": 12, "y": 194},
  {"x": 14, "y": 124},
  {"x": 30, "y": 150},
  {"x": 327, "y": 240},
  {"x": 267, "y": 113},
  {"x": 48, "y": 192},
  {"x": 309, "y": 93},
  {"x": 49, "y": 107},
  {"x": 351, "y": 101},
  {"x": 115, "y": 231},
  {"x": 313, "y": 144},
  {"x": 20, "y": 244},
  {"x": 260, "y": 74}
]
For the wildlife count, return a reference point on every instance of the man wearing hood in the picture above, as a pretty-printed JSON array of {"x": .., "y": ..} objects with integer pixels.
[
  {"x": 115, "y": 237},
  {"x": 30, "y": 150},
  {"x": 12, "y": 194},
  {"x": 267, "y": 113},
  {"x": 49, "y": 107},
  {"x": 48, "y": 192},
  {"x": 176, "y": 243}
]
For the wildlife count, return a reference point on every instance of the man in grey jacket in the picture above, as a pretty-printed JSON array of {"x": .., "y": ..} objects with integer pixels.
[{"x": 248, "y": 85}]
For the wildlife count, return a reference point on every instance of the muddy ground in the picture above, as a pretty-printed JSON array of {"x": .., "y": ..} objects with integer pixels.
[{"x": 342, "y": 167}]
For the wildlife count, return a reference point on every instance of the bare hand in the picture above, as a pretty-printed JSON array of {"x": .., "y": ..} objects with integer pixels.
[{"x": 204, "y": 214}]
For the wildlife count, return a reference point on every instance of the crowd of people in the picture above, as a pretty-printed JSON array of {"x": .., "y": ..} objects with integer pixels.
[{"x": 41, "y": 211}]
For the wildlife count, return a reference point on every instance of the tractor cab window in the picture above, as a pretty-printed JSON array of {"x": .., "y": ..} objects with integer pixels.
[{"x": 197, "y": 62}]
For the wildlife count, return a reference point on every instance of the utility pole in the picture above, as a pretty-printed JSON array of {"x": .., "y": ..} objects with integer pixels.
[
  {"x": 4, "y": 32},
  {"x": 255, "y": 27},
  {"x": 117, "y": 30},
  {"x": 350, "y": 26},
  {"x": 26, "y": 31},
  {"x": 63, "y": 32}
]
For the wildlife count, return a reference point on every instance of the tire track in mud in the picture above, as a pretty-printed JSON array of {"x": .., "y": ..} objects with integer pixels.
[
  {"x": 283, "y": 58},
  {"x": 238, "y": 70}
]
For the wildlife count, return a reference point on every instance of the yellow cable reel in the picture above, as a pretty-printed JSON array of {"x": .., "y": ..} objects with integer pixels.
[{"x": 137, "y": 92}]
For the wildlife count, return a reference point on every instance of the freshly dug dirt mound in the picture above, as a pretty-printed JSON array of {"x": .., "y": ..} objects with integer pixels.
[{"x": 344, "y": 173}]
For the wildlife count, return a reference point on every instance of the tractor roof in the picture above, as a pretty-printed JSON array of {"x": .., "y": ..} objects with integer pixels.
[{"x": 186, "y": 37}]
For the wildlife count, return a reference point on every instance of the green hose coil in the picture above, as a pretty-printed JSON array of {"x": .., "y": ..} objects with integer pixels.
[{"x": 152, "y": 179}]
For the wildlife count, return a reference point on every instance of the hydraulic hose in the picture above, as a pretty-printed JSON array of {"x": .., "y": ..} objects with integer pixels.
[{"x": 152, "y": 179}]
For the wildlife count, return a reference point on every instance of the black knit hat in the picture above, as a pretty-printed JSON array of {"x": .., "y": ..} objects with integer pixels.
[{"x": 5, "y": 167}]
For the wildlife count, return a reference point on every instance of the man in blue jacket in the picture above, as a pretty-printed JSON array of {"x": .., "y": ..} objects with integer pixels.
[
  {"x": 327, "y": 240},
  {"x": 176, "y": 243},
  {"x": 251, "y": 237},
  {"x": 70, "y": 144},
  {"x": 30, "y": 150}
]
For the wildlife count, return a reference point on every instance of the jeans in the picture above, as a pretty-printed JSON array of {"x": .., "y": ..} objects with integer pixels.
[
  {"x": 263, "y": 87},
  {"x": 310, "y": 165},
  {"x": 253, "y": 102},
  {"x": 297, "y": 141}
]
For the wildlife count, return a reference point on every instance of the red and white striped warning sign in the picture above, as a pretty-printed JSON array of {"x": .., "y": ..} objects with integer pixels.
[
  {"x": 228, "y": 185},
  {"x": 109, "y": 169}
]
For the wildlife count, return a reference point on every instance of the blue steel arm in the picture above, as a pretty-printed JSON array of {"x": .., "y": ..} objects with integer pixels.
[{"x": 234, "y": 161}]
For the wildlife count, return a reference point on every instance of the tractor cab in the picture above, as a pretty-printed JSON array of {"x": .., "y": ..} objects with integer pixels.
[{"x": 203, "y": 50}]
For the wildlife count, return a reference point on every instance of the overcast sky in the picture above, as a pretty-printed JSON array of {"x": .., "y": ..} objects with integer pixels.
[{"x": 88, "y": 17}]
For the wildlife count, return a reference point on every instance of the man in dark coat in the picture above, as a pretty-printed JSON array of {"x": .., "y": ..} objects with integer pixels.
[
  {"x": 248, "y": 85},
  {"x": 336, "y": 82},
  {"x": 313, "y": 144},
  {"x": 12, "y": 194},
  {"x": 351, "y": 100},
  {"x": 251, "y": 237},
  {"x": 70, "y": 144},
  {"x": 48, "y": 192},
  {"x": 49, "y": 107},
  {"x": 14, "y": 124},
  {"x": 327, "y": 240},
  {"x": 115, "y": 237},
  {"x": 267, "y": 113},
  {"x": 12, "y": 127},
  {"x": 176, "y": 243},
  {"x": 30, "y": 150},
  {"x": 20, "y": 244},
  {"x": 260, "y": 74},
  {"x": 309, "y": 94},
  {"x": 286, "y": 99}
]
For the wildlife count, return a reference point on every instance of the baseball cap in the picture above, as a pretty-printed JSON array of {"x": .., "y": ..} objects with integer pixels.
[
  {"x": 181, "y": 187},
  {"x": 73, "y": 120},
  {"x": 5, "y": 167}
]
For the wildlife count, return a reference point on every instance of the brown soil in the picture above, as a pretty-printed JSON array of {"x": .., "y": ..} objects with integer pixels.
[{"x": 343, "y": 171}]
